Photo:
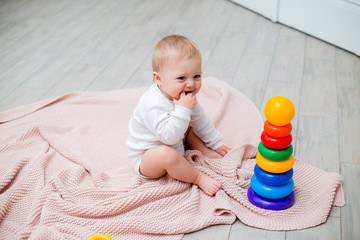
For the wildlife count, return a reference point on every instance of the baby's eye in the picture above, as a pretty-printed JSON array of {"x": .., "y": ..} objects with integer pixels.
[
  {"x": 197, "y": 76},
  {"x": 181, "y": 78}
]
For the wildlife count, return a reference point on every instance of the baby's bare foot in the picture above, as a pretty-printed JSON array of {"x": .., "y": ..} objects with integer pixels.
[{"x": 209, "y": 185}]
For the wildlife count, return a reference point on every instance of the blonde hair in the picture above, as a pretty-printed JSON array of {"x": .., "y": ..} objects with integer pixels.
[{"x": 173, "y": 46}]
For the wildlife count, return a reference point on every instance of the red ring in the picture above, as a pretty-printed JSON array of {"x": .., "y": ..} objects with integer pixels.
[
  {"x": 275, "y": 143},
  {"x": 277, "y": 131}
]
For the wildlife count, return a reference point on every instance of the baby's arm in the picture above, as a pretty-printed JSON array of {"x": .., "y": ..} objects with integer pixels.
[
  {"x": 205, "y": 129},
  {"x": 207, "y": 138},
  {"x": 168, "y": 125}
]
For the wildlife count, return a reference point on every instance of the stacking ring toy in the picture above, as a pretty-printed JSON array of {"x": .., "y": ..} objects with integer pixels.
[
  {"x": 277, "y": 131},
  {"x": 275, "y": 166},
  {"x": 273, "y": 179},
  {"x": 271, "y": 192},
  {"x": 275, "y": 155},
  {"x": 275, "y": 143},
  {"x": 271, "y": 204},
  {"x": 100, "y": 237},
  {"x": 279, "y": 110}
]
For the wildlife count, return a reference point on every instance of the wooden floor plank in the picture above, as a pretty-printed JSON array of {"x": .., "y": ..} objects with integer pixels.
[
  {"x": 317, "y": 142},
  {"x": 78, "y": 79},
  {"x": 349, "y": 127},
  {"x": 210, "y": 233},
  {"x": 252, "y": 75},
  {"x": 348, "y": 69},
  {"x": 288, "y": 59},
  {"x": 14, "y": 76},
  {"x": 319, "y": 96},
  {"x": 116, "y": 74},
  {"x": 241, "y": 20},
  {"x": 224, "y": 59},
  {"x": 242, "y": 231},
  {"x": 331, "y": 229},
  {"x": 22, "y": 96},
  {"x": 55, "y": 69},
  {"x": 350, "y": 217},
  {"x": 263, "y": 37},
  {"x": 210, "y": 30},
  {"x": 317, "y": 49}
]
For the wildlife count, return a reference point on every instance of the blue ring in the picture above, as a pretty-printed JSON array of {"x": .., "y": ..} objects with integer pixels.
[
  {"x": 271, "y": 204},
  {"x": 273, "y": 179},
  {"x": 271, "y": 192}
]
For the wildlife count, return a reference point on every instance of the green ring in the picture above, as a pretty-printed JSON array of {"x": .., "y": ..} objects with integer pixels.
[{"x": 275, "y": 155}]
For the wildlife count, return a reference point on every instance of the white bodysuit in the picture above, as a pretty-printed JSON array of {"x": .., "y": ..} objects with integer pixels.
[{"x": 158, "y": 121}]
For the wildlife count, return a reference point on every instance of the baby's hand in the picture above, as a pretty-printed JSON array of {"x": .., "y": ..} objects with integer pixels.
[
  {"x": 186, "y": 100},
  {"x": 223, "y": 150}
]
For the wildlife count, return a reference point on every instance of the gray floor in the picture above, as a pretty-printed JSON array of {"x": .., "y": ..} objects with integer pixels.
[{"x": 49, "y": 48}]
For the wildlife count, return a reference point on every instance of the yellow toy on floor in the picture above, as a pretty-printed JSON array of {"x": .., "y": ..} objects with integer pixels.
[{"x": 100, "y": 237}]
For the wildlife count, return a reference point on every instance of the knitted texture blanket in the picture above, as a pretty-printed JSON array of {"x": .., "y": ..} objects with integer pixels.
[{"x": 64, "y": 173}]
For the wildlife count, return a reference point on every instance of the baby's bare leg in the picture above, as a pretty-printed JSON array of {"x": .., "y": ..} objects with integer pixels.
[
  {"x": 164, "y": 159},
  {"x": 195, "y": 143}
]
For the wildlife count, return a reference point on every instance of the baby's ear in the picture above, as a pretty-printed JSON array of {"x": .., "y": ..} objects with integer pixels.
[{"x": 156, "y": 78}]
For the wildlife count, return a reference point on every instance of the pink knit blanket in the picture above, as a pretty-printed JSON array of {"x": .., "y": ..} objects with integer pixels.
[{"x": 64, "y": 173}]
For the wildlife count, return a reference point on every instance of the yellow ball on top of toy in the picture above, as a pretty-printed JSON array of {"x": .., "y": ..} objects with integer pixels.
[{"x": 279, "y": 110}]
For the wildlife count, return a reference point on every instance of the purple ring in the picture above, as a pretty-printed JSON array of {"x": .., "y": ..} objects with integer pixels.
[{"x": 271, "y": 204}]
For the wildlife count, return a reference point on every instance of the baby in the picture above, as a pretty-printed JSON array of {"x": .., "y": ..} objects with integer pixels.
[{"x": 168, "y": 117}]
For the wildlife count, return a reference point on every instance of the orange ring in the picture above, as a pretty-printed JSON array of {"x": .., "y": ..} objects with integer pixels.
[
  {"x": 277, "y": 131},
  {"x": 274, "y": 166}
]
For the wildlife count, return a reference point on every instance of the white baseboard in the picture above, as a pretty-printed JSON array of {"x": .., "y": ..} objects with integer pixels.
[
  {"x": 334, "y": 21},
  {"x": 267, "y": 8}
]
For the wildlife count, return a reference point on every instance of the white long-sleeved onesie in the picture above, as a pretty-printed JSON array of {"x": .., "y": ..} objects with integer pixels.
[{"x": 157, "y": 121}]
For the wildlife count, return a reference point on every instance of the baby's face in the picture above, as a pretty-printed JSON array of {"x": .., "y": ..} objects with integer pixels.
[{"x": 180, "y": 76}]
